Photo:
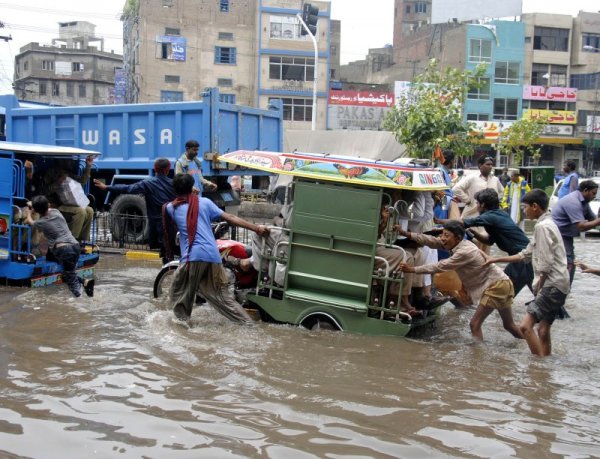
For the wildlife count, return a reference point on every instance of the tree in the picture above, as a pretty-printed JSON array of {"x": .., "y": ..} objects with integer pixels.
[
  {"x": 430, "y": 114},
  {"x": 520, "y": 138}
]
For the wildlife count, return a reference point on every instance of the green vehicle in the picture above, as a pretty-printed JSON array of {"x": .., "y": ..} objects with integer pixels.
[{"x": 328, "y": 256}]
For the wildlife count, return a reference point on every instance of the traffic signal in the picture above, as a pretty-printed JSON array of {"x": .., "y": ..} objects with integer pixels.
[{"x": 310, "y": 16}]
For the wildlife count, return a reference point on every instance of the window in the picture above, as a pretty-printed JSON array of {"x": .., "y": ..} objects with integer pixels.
[
  {"x": 70, "y": 88},
  {"x": 548, "y": 75},
  {"x": 55, "y": 88},
  {"x": 224, "y": 6},
  {"x": 26, "y": 65},
  {"x": 296, "y": 109},
  {"x": 481, "y": 93},
  {"x": 47, "y": 65},
  {"x": 333, "y": 50},
  {"x": 225, "y": 82},
  {"x": 506, "y": 109},
  {"x": 548, "y": 105},
  {"x": 421, "y": 8},
  {"x": 291, "y": 68},
  {"x": 585, "y": 81},
  {"x": 480, "y": 50},
  {"x": 172, "y": 48},
  {"x": 82, "y": 92},
  {"x": 172, "y": 31},
  {"x": 171, "y": 96},
  {"x": 287, "y": 28},
  {"x": 226, "y": 36},
  {"x": 478, "y": 117},
  {"x": 42, "y": 86},
  {"x": 227, "y": 98},
  {"x": 172, "y": 79},
  {"x": 591, "y": 39},
  {"x": 225, "y": 55},
  {"x": 551, "y": 39},
  {"x": 77, "y": 66},
  {"x": 407, "y": 9},
  {"x": 506, "y": 72}
]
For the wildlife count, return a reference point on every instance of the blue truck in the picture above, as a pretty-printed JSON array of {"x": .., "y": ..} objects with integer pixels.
[{"x": 130, "y": 137}]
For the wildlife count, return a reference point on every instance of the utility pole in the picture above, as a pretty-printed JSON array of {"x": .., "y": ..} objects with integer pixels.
[
  {"x": 309, "y": 27},
  {"x": 594, "y": 122}
]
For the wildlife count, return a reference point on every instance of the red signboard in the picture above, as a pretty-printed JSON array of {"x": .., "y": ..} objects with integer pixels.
[{"x": 361, "y": 98}]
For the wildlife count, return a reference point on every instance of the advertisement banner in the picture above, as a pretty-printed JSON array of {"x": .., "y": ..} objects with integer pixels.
[
  {"x": 590, "y": 122},
  {"x": 490, "y": 129},
  {"x": 356, "y": 117},
  {"x": 177, "y": 48},
  {"x": 361, "y": 98},
  {"x": 120, "y": 86},
  {"x": 554, "y": 116},
  {"x": 557, "y": 129},
  {"x": 444, "y": 11},
  {"x": 552, "y": 93}
]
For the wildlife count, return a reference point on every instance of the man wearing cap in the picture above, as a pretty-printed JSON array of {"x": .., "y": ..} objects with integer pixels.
[{"x": 157, "y": 191}]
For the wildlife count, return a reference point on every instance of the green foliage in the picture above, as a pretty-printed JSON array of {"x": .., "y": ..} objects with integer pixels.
[
  {"x": 431, "y": 113},
  {"x": 131, "y": 8},
  {"x": 520, "y": 139}
]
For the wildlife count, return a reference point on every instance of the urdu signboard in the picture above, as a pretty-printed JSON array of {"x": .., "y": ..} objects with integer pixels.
[
  {"x": 443, "y": 11},
  {"x": 551, "y": 93},
  {"x": 358, "y": 109}
]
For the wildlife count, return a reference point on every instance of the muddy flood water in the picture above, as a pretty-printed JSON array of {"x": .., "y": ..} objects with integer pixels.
[{"x": 117, "y": 376}]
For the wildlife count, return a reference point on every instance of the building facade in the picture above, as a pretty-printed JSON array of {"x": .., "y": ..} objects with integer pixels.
[
  {"x": 252, "y": 50},
  {"x": 287, "y": 66},
  {"x": 541, "y": 65},
  {"x": 68, "y": 72}
]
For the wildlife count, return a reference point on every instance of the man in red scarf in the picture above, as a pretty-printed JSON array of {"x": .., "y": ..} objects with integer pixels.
[{"x": 200, "y": 268}]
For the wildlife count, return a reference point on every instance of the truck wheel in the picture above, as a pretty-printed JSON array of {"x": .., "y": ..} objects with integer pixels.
[{"x": 129, "y": 221}]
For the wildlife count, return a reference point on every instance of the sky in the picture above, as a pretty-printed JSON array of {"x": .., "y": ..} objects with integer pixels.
[{"x": 29, "y": 21}]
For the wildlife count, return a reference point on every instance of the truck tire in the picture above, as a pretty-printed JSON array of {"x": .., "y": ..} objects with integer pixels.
[{"x": 128, "y": 219}]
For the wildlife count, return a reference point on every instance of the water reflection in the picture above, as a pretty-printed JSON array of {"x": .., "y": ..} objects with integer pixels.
[{"x": 115, "y": 374}]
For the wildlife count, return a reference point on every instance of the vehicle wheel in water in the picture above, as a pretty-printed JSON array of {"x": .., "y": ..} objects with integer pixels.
[
  {"x": 128, "y": 219},
  {"x": 322, "y": 324},
  {"x": 163, "y": 281}
]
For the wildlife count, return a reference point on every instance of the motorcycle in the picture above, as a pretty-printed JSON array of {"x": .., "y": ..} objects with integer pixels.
[{"x": 231, "y": 252}]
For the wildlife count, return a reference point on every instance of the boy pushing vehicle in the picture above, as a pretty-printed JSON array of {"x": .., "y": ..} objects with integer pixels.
[{"x": 547, "y": 253}]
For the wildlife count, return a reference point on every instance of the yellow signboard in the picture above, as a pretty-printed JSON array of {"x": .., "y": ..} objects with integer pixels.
[{"x": 553, "y": 116}]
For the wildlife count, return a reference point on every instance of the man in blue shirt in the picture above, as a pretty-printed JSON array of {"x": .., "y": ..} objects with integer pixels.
[
  {"x": 157, "y": 190},
  {"x": 201, "y": 269},
  {"x": 572, "y": 214},
  {"x": 569, "y": 183},
  {"x": 502, "y": 231}
]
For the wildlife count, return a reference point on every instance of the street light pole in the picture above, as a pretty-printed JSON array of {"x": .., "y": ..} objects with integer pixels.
[
  {"x": 316, "y": 73},
  {"x": 594, "y": 115}
]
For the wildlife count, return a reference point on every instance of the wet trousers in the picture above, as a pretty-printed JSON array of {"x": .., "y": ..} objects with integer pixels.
[
  {"x": 67, "y": 255},
  {"x": 210, "y": 281}
]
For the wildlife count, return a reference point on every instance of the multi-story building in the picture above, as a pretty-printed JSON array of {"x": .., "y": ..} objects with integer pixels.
[
  {"x": 68, "y": 72},
  {"x": 287, "y": 65},
  {"x": 252, "y": 50},
  {"x": 543, "y": 65},
  {"x": 585, "y": 76}
]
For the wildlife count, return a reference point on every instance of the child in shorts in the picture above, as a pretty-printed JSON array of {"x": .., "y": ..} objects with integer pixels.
[{"x": 547, "y": 253}]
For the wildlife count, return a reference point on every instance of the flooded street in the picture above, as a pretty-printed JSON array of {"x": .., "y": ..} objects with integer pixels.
[{"x": 116, "y": 376}]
